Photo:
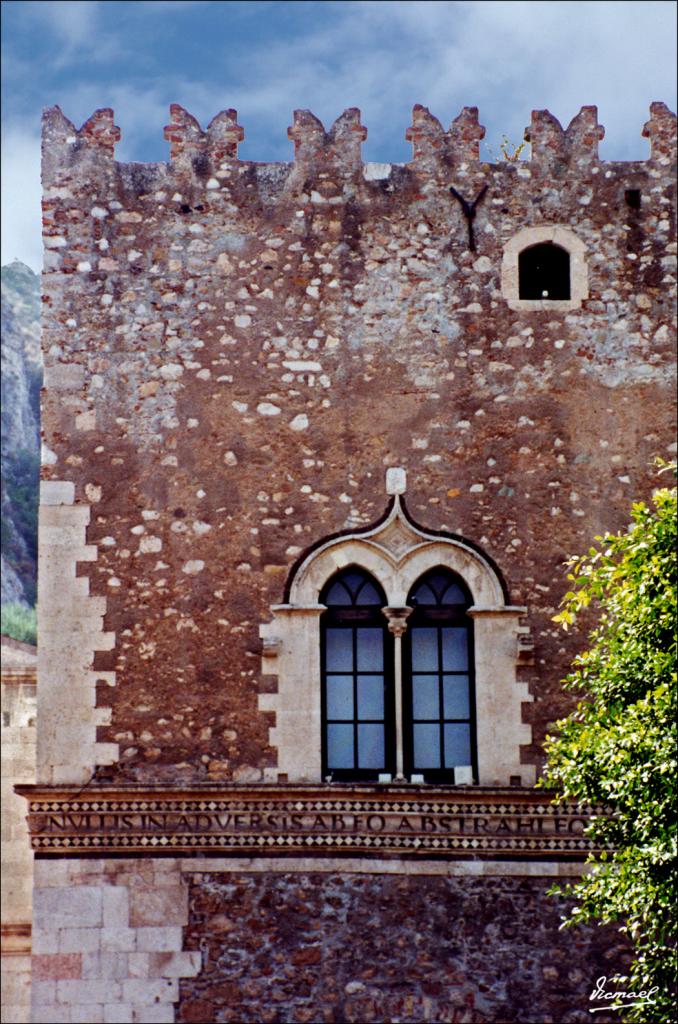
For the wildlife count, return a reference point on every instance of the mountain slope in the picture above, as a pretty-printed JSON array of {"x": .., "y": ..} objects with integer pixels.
[{"x": 20, "y": 433}]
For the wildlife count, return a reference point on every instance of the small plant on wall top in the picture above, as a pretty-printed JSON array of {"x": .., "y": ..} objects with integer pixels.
[{"x": 508, "y": 151}]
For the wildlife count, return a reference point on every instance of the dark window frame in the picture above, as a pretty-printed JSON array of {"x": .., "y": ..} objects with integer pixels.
[
  {"x": 555, "y": 271},
  {"x": 438, "y": 617},
  {"x": 352, "y": 617}
]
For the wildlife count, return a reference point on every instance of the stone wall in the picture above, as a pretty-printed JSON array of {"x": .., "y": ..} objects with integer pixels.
[
  {"x": 107, "y": 941},
  {"x": 235, "y": 352},
  {"x": 310, "y": 939},
  {"x": 18, "y": 765},
  {"x": 294, "y": 948}
]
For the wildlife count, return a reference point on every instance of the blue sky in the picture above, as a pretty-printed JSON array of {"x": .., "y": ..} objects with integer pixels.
[{"x": 268, "y": 58}]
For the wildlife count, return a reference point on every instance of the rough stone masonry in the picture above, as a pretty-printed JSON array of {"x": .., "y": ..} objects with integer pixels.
[{"x": 235, "y": 353}]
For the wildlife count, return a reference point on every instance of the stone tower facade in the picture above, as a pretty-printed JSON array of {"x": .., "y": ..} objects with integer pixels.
[{"x": 259, "y": 377}]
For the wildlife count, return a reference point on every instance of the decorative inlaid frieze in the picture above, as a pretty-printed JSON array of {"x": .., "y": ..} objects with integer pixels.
[{"x": 450, "y": 823}]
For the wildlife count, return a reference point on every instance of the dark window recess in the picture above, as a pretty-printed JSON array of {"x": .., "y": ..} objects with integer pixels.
[
  {"x": 439, "y": 714},
  {"x": 632, "y": 198},
  {"x": 544, "y": 272},
  {"x": 358, "y": 707}
]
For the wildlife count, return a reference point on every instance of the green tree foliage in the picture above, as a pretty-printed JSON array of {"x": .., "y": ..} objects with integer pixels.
[
  {"x": 618, "y": 747},
  {"x": 19, "y": 622}
]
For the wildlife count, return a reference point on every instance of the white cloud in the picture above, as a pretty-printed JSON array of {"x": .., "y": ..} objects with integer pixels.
[
  {"x": 505, "y": 57},
  {"x": 75, "y": 31},
  {"x": 21, "y": 213},
  {"x": 72, "y": 21}
]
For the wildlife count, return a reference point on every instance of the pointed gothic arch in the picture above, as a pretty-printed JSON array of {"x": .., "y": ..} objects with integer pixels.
[{"x": 396, "y": 552}]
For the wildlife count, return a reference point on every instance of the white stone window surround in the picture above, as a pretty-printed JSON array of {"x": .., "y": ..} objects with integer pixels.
[
  {"x": 560, "y": 235},
  {"x": 396, "y": 552}
]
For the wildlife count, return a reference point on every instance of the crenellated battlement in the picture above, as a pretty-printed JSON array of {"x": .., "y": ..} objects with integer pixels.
[
  {"x": 431, "y": 142},
  {"x": 339, "y": 148},
  {"x": 188, "y": 140},
  {"x": 341, "y": 145},
  {"x": 578, "y": 142}
]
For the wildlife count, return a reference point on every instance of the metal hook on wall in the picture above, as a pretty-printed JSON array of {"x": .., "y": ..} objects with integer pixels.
[{"x": 469, "y": 211}]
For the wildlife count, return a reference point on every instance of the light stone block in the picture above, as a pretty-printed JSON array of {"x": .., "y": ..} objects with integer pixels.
[
  {"x": 175, "y": 965},
  {"x": 163, "y": 990},
  {"x": 57, "y": 492},
  {"x": 87, "y": 1013},
  {"x": 396, "y": 480},
  {"x": 158, "y": 906},
  {"x": 118, "y": 1013},
  {"x": 139, "y": 964},
  {"x": 75, "y": 906},
  {"x": 43, "y": 991},
  {"x": 79, "y": 940},
  {"x": 159, "y": 940},
  {"x": 104, "y": 965},
  {"x": 115, "y": 906},
  {"x": 159, "y": 1013},
  {"x": 44, "y": 941},
  {"x": 68, "y": 775},
  {"x": 50, "y": 1013},
  {"x": 78, "y": 991},
  {"x": 118, "y": 940}
]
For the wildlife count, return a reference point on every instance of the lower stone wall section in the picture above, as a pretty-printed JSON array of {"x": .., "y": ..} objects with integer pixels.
[
  {"x": 345, "y": 947},
  {"x": 107, "y": 941},
  {"x": 275, "y": 941}
]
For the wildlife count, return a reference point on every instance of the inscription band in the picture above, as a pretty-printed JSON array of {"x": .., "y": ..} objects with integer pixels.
[{"x": 449, "y": 823}]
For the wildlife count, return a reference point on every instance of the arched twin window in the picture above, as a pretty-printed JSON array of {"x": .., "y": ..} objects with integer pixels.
[
  {"x": 396, "y": 653},
  {"x": 360, "y": 677}
]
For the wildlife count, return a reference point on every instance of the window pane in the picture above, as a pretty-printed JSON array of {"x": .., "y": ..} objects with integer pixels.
[
  {"x": 425, "y": 697},
  {"x": 454, "y": 595},
  {"x": 424, "y": 595},
  {"x": 339, "y": 650},
  {"x": 370, "y": 650},
  {"x": 455, "y": 697},
  {"x": 340, "y": 696},
  {"x": 339, "y": 746},
  {"x": 370, "y": 746},
  {"x": 424, "y": 649},
  {"x": 371, "y": 697},
  {"x": 353, "y": 580},
  {"x": 457, "y": 745},
  {"x": 368, "y": 594},
  {"x": 338, "y": 595},
  {"x": 455, "y": 649},
  {"x": 544, "y": 272},
  {"x": 426, "y": 746}
]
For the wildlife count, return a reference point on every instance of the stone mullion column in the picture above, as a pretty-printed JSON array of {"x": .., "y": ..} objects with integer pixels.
[{"x": 397, "y": 624}]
